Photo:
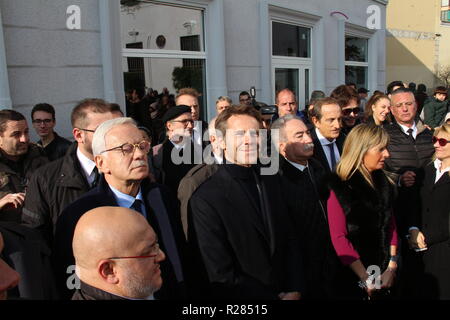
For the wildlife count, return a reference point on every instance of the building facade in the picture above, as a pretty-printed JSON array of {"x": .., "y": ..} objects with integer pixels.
[
  {"x": 418, "y": 40},
  {"x": 61, "y": 51}
]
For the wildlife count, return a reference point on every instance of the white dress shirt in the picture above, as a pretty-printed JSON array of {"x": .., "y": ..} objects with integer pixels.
[
  {"x": 87, "y": 166},
  {"x": 439, "y": 173},
  {"x": 405, "y": 129},
  {"x": 297, "y": 165},
  {"x": 197, "y": 133},
  {"x": 326, "y": 149}
]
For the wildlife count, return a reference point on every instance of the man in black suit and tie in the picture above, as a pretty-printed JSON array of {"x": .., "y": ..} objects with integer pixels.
[
  {"x": 120, "y": 151},
  {"x": 327, "y": 137},
  {"x": 302, "y": 183},
  {"x": 239, "y": 227}
]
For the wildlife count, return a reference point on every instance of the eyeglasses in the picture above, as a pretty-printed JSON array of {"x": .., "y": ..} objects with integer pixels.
[
  {"x": 347, "y": 112},
  {"x": 185, "y": 122},
  {"x": 87, "y": 130},
  {"x": 42, "y": 121},
  {"x": 442, "y": 142},
  {"x": 128, "y": 148},
  {"x": 154, "y": 252}
]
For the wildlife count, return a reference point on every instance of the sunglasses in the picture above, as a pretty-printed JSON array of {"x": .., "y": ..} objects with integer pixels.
[
  {"x": 442, "y": 142},
  {"x": 347, "y": 112}
]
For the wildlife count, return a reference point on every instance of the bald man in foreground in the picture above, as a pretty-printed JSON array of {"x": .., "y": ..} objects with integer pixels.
[{"x": 117, "y": 256}]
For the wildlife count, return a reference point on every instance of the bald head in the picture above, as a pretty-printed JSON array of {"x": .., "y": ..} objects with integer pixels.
[
  {"x": 116, "y": 251},
  {"x": 106, "y": 232}
]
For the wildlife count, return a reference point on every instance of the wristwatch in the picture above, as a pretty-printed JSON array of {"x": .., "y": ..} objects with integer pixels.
[{"x": 394, "y": 258}]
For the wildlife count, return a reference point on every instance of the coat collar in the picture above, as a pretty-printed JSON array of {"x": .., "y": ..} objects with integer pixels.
[
  {"x": 246, "y": 202},
  {"x": 88, "y": 292},
  {"x": 71, "y": 173}
]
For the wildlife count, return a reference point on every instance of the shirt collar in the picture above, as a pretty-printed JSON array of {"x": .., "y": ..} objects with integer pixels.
[
  {"x": 86, "y": 164},
  {"x": 437, "y": 165},
  {"x": 323, "y": 141},
  {"x": 405, "y": 128},
  {"x": 196, "y": 125},
  {"x": 297, "y": 165},
  {"x": 125, "y": 200},
  {"x": 178, "y": 146}
]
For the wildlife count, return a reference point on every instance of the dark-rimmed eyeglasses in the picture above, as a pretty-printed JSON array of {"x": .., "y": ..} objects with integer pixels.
[
  {"x": 442, "y": 142},
  {"x": 42, "y": 121},
  {"x": 87, "y": 130},
  {"x": 154, "y": 252},
  {"x": 347, "y": 112},
  {"x": 128, "y": 148},
  {"x": 185, "y": 122}
]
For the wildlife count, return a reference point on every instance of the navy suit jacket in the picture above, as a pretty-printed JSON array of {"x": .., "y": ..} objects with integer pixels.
[
  {"x": 154, "y": 195},
  {"x": 319, "y": 154}
]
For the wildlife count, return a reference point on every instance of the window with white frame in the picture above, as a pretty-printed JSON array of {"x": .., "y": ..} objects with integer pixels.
[
  {"x": 292, "y": 59},
  {"x": 445, "y": 11},
  {"x": 163, "y": 47},
  {"x": 356, "y": 61}
]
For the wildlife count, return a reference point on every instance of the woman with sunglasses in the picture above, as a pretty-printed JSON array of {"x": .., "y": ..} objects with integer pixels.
[
  {"x": 360, "y": 217},
  {"x": 378, "y": 109},
  {"x": 430, "y": 233}
]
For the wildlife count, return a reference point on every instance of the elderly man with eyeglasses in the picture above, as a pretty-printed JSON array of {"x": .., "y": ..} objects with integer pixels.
[
  {"x": 120, "y": 152},
  {"x": 113, "y": 262}
]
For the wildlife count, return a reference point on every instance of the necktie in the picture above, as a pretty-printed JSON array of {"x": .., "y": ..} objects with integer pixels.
[
  {"x": 96, "y": 178},
  {"x": 332, "y": 156},
  {"x": 410, "y": 134},
  {"x": 137, "y": 206}
]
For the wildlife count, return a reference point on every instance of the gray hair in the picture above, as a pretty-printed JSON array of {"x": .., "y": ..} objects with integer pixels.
[
  {"x": 280, "y": 125},
  {"x": 99, "y": 139},
  {"x": 224, "y": 98}
]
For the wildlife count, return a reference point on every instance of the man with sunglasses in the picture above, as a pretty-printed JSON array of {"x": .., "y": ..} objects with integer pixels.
[
  {"x": 348, "y": 99},
  {"x": 121, "y": 154},
  {"x": 43, "y": 118},
  {"x": 411, "y": 150},
  {"x": 113, "y": 262}
]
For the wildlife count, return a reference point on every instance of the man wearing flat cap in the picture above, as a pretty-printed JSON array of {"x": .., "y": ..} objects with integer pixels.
[{"x": 176, "y": 155}]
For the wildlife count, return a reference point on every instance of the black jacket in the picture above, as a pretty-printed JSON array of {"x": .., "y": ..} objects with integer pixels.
[
  {"x": 302, "y": 193},
  {"x": 101, "y": 196},
  {"x": 15, "y": 177},
  {"x": 27, "y": 253},
  {"x": 406, "y": 155},
  {"x": 319, "y": 154},
  {"x": 87, "y": 292},
  {"x": 433, "y": 219},
  {"x": 51, "y": 189},
  {"x": 368, "y": 213},
  {"x": 57, "y": 148},
  {"x": 243, "y": 257}
]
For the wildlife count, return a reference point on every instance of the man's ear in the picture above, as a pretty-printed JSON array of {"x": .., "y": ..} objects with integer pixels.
[
  {"x": 314, "y": 121},
  {"x": 78, "y": 135},
  {"x": 101, "y": 164},
  {"x": 282, "y": 148},
  {"x": 107, "y": 270}
]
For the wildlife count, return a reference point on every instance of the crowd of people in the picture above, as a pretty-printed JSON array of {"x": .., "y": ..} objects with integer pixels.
[{"x": 159, "y": 204}]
